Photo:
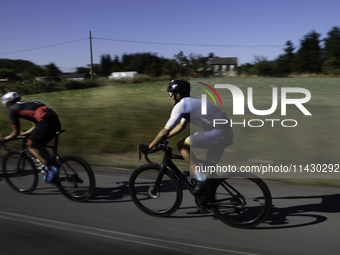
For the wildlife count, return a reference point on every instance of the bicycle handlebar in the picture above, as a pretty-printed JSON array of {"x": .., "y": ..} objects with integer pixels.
[
  {"x": 3, "y": 141},
  {"x": 164, "y": 147}
]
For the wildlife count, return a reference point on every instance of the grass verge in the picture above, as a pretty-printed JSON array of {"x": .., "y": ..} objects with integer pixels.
[{"x": 105, "y": 124}]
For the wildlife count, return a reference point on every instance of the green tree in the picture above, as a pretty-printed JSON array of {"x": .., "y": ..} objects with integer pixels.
[
  {"x": 263, "y": 67},
  {"x": 193, "y": 62},
  {"x": 308, "y": 57},
  {"x": 84, "y": 70},
  {"x": 331, "y": 52},
  {"x": 198, "y": 63},
  {"x": 96, "y": 69},
  {"x": 18, "y": 65},
  {"x": 143, "y": 63},
  {"x": 332, "y": 44},
  {"x": 135, "y": 62},
  {"x": 153, "y": 69},
  {"x": 126, "y": 59},
  {"x": 52, "y": 71},
  {"x": 171, "y": 68},
  {"x": 284, "y": 63},
  {"x": 331, "y": 66},
  {"x": 116, "y": 65},
  {"x": 246, "y": 69},
  {"x": 33, "y": 71},
  {"x": 182, "y": 62},
  {"x": 204, "y": 66},
  {"x": 8, "y": 74},
  {"x": 106, "y": 65}
]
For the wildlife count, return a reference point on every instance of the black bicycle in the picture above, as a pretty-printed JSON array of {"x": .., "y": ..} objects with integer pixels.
[
  {"x": 238, "y": 199},
  {"x": 75, "y": 178}
]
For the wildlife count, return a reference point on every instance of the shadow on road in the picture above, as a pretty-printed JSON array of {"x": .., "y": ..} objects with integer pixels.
[
  {"x": 301, "y": 215},
  {"x": 116, "y": 194}
]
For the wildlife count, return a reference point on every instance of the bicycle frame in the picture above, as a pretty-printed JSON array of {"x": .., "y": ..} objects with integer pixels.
[
  {"x": 76, "y": 180},
  {"x": 167, "y": 162},
  {"x": 55, "y": 155},
  {"x": 238, "y": 199},
  {"x": 25, "y": 151}
]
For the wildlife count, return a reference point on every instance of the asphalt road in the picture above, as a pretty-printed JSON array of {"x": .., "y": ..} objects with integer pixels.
[{"x": 303, "y": 220}]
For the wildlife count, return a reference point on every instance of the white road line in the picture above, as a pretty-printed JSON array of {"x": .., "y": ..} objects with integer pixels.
[{"x": 121, "y": 236}]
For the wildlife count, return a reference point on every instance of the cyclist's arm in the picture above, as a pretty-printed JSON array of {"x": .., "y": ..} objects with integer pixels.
[
  {"x": 170, "y": 127},
  {"x": 30, "y": 130},
  {"x": 15, "y": 125},
  {"x": 15, "y": 133},
  {"x": 162, "y": 135},
  {"x": 179, "y": 128},
  {"x": 166, "y": 133}
]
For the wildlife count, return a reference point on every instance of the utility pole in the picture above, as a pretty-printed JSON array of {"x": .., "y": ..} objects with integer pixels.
[{"x": 91, "y": 72}]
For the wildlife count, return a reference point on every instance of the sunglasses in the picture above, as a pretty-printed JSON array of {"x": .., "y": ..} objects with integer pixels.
[{"x": 171, "y": 94}]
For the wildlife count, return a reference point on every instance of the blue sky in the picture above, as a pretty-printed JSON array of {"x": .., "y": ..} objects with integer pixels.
[{"x": 43, "y": 31}]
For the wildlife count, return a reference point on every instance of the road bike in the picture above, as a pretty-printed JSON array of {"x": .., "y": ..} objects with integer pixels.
[
  {"x": 238, "y": 199},
  {"x": 75, "y": 178}
]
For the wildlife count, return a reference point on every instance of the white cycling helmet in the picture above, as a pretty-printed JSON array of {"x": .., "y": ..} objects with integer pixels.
[{"x": 10, "y": 97}]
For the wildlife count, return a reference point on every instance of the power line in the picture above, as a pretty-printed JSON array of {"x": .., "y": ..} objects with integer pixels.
[
  {"x": 42, "y": 47},
  {"x": 145, "y": 42},
  {"x": 190, "y": 44}
]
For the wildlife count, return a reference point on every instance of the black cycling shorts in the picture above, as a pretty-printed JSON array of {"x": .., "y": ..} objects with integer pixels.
[{"x": 45, "y": 131}]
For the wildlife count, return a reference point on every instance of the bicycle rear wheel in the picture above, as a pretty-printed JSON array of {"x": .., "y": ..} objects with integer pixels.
[
  {"x": 240, "y": 200},
  {"x": 162, "y": 201},
  {"x": 20, "y": 172},
  {"x": 75, "y": 178}
]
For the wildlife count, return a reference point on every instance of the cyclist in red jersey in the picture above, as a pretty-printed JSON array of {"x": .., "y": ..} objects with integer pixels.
[{"x": 45, "y": 124}]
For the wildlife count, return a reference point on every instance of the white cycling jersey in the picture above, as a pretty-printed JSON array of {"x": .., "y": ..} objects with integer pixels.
[{"x": 189, "y": 110}]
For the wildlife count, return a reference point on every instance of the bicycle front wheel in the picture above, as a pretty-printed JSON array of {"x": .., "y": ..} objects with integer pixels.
[
  {"x": 156, "y": 201},
  {"x": 240, "y": 200},
  {"x": 20, "y": 172},
  {"x": 75, "y": 178}
]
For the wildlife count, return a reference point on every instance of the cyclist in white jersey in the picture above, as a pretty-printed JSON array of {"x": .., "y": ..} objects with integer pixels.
[{"x": 188, "y": 109}]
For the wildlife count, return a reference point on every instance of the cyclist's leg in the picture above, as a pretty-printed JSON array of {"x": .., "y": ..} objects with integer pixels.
[
  {"x": 38, "y": 152},
  {"x": 41, "y": 135},
  {"x": 183, "y": 146},
  {"x": 215, "y": 152},
  {"x": 34, "y": 143},
  {"x": 212, "y": 140},
  {"x": 202, "y": 139}
]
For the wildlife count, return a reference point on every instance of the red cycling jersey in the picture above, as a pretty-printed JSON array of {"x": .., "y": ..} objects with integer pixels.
[{"x": 30, "y": 110}]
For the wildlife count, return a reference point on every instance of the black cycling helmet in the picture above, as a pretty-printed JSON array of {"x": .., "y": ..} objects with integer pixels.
[{"x": 179, "y": 86}]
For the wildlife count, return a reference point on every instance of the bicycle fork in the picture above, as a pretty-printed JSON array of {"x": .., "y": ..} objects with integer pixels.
[
  {"x": 154, "y": 190},
  {"x": 20, "y": 164}
]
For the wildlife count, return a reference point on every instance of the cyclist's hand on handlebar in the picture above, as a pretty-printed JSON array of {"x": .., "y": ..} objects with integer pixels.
[
  {"x": 2, "y": 139},
  {"x": 143, "y": 148}
]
